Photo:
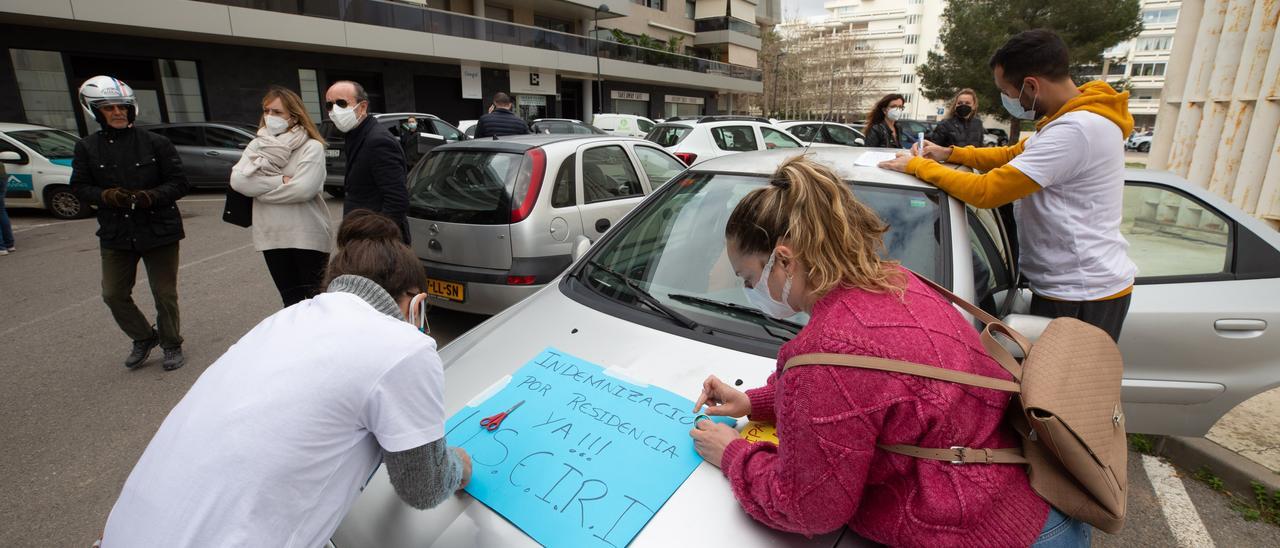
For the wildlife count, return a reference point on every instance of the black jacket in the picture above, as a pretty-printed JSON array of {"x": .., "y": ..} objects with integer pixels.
[
  {"x": 131, "y": 159},
  {"x": 500, "y": 122},
  {"x": 956, "y": 131},
  {"x": 879, "y": 135},
  {"x": 375, "y": 177}
]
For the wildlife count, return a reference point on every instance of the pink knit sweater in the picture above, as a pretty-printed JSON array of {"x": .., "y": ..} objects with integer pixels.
[{"x": 827, "y": 471}]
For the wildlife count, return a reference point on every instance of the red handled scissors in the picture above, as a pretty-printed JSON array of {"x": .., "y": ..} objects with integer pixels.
[{"x": 491, "y": 423}]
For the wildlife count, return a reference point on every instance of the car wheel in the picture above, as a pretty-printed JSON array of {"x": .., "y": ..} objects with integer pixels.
[
  {"x": 1144, "y": 147},
  {"x": 336, "y": 192},
  {"x": 63, "y": 203}
]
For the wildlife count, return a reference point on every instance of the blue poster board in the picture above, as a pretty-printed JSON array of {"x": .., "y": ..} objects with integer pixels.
[{"x": 586, "y": 460}]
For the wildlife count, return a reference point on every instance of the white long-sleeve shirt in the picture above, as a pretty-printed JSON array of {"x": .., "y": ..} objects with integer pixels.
[{"x": 291, "y": 215}]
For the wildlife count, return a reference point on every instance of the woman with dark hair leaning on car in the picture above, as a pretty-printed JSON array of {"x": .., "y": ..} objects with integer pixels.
[
  {"x": 805, "y": 243},
  {"x": 276, "y": 439}
]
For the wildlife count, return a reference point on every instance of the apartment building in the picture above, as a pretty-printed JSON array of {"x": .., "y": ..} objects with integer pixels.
[
  {"x": 192, "y": 60},
  {"x": 1143, "y": 61},
  {"x": 864, "y": 49}
]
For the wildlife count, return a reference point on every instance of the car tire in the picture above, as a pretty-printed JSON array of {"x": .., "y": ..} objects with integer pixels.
[
  {"x": 64, "y": 204},
  {"x": 1144, "y": 147},
  {"x": 336, "y": 192}
]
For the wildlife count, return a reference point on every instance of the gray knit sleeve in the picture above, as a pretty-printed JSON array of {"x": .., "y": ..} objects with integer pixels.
[{"x": 424, "y": 476}]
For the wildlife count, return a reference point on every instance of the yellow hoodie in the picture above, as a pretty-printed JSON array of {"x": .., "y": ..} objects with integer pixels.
[{"x": 1002, "y": 183}]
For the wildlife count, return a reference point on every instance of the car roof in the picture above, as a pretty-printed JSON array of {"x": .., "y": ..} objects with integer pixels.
[
  {"x": 840, "y": 159},
  {"x": 6, "y": 126},
  {"x": 237, "y": 125},
  {"x": 521, "y": 143},
  {"x": 571, "y": 120},
  {"x": 404, "y": 115}
]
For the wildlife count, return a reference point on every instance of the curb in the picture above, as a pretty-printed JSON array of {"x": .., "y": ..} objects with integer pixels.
[{"x": 1237, "y": 472}]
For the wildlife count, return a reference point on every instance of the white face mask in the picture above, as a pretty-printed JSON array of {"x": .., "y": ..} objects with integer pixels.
[
  {"x": 275, "y": 124},
  {"x": 759, "y": 296},
  {"x": 893, "y": 114},
  {"x": 344, "y": 118}
]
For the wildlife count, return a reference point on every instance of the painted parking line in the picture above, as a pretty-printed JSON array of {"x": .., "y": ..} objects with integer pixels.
[
  {"x": 24, "y": 228},
  {"x": 1179, "y": 512}
]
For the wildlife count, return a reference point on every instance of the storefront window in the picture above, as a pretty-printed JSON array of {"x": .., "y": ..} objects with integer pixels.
[
  {"x": 181, "y": 84},
  {"x": 42, "y": 83},
  {"x": 627, "y": 106},
  {"x": 683, "y": 110},
  {"x": 531, "y": 107}
]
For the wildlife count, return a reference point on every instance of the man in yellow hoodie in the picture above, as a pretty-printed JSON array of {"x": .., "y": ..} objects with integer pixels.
[{"x": 1066, "y": 181}]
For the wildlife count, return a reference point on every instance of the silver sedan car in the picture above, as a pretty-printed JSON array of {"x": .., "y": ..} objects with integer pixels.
[{"x": 1200, "y": 338}]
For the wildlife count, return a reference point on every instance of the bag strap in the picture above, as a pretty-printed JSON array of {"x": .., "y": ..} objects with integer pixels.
[
  {"x": 960, "y": 455},
  {"x": 898, "y": 366},
  {"x": 991, "y": 326}
]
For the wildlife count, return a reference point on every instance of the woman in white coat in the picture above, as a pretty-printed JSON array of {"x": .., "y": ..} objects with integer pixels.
[{"x": 282, "y": 169}]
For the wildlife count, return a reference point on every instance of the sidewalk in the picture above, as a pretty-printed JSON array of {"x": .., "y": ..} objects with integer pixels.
[{"x": 1243, "y": 447}]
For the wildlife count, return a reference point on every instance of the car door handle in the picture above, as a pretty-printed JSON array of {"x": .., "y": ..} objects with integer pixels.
[
  {"x": 1239, "y": 328},
  {"x": 602, "y": 225},
  {"x": 212, "y": 153}
]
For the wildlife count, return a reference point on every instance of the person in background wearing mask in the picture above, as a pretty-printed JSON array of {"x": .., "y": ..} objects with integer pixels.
[
  {"x": 1066, "y": 181},
  {"x": 961, "y": 128},
  {"x": 805, "y": 243},
  {"x": 276, "y": 439},
  {"x": 283, "y": 170},
  {"x": 409, "y": 135},
  {"x": 375, "y": 176},
  {"x": 135, "y": 179},
  {"x": 882, "y": 122},
  {"x": 501, "y": 120}
]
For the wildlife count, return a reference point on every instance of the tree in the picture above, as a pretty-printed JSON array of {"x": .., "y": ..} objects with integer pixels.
[{"x": 974, "y": 29}]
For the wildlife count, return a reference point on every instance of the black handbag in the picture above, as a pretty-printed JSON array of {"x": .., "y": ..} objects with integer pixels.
[{"x": 238, "y": 210}]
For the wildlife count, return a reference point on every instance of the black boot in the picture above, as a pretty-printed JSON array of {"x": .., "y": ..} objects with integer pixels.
[
  {"x": 173, "y": 358},
  {"x": 141, "y": 349}
]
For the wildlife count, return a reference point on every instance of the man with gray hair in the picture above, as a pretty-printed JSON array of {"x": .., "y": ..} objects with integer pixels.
[{"x": 375, "y": 175}]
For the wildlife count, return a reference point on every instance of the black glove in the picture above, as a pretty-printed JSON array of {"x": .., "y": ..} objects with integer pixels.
[
  {"x": 117, "y": 197},
  {"x": 144, "y": 199}
]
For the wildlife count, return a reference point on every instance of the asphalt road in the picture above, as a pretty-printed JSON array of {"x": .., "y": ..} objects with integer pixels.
[{"x": 73, "y": 421}]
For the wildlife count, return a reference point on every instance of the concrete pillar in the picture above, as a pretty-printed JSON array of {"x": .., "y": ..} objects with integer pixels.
[
  {"x": 1206, "y": 142},
  {"x": 588, "y": 102},
  {"x": 1175, "y": 82},
  {"x": 1257, "y": 79},
  {"x": 1226, "y": 167}
]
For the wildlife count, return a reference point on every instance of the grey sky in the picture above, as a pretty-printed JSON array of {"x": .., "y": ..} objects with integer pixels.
[{"x": 802, "y": 8}]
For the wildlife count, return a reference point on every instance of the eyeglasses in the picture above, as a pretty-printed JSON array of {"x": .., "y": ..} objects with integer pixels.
[{"x": 342, "y": 103}]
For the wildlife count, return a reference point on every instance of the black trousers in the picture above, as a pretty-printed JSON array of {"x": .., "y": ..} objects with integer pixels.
[
  {"x": 120, "y": 273},
  {"x": 296, "y": 272},
  {"x": 1106, "y": 315}
]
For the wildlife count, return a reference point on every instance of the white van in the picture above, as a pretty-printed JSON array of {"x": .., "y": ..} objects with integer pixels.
[{"x": 625, "y": 125}]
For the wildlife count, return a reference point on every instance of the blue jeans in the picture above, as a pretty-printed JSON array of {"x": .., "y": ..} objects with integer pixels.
[
  {"x": 6, "y": 230},
  {"x": 1061, "y": 531}
]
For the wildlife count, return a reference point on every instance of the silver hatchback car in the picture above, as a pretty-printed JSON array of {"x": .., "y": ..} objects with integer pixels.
[
  {"x": 1200, "y": 338},
  {"x": 495, "y": 220}
]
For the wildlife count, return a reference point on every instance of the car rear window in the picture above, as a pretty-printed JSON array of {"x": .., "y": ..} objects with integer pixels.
[
  {"x": 668, "y": 135},
  {"x": 465, "y": 186}
]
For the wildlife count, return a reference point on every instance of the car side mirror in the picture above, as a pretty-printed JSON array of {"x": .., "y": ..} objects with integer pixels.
[
  {"x": 860, "y": 142},
  {"x": 242, "y": 146},
  {"x": 10, "y": 156},
  {"x": 580, "y": 247}
]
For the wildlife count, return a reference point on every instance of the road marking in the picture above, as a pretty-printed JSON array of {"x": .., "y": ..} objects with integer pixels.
[
  {"x": 142, "y": 283},
  {"x": 1179, "y": 512},
  {"x": 18, "y": 229}
]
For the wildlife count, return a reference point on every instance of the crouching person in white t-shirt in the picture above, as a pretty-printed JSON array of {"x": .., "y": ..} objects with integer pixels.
[{"x": 276, "y": 439}]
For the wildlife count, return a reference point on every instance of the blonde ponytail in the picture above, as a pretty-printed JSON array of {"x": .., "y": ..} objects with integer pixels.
[{"x": 807, "y": 207}]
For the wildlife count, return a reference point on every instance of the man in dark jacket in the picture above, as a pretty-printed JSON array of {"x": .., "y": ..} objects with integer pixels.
[
  {"x": 502, "y": 121},
  {"x": 375, "y": 177},
  {"x": 135, "y": 179}
]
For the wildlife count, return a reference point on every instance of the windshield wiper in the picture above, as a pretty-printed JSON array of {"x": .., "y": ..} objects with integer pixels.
[
  {"x": 736, "y": 308},
  {"x": 648, "y": 299}
]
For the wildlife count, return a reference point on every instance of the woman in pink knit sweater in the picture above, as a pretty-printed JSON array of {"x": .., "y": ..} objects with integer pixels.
[{"x": 804, "y": 243}]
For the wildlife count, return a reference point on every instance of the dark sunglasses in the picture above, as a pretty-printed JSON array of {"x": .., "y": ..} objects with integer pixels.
[{"x": 342, "y": 103}]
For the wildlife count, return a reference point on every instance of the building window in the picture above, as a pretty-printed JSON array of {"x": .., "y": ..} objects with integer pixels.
[
  {"x": 181, "y": 84},
  {"x": 1155, "y": 43},
  {"x": 655, "y": 4},
  {"x": 908, "y": 78},
  {"x": 916, "y": 2},
  {"x": 906, "y": 98},
  {"x": 909, "y": 59},
  {"x": 1160, "y": 16},
  {"x": 913, "y": 39},
  {"x": 309, "y": 89},
  {"x": 1116, "y": 69},
  {"x": 42, "y": 84},
  {"x": 1147, "y": 69},
  {"x": 690, "y": 8},
  {"x": 551, "y": 23},
  {"x": 913, "y": 19}
]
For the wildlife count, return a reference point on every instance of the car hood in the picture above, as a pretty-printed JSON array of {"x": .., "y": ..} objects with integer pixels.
[{"x": 702, "y": 512}]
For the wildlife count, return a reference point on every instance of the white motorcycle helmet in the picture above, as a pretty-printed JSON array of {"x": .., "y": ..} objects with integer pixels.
[{"x": 105, "y": 90}]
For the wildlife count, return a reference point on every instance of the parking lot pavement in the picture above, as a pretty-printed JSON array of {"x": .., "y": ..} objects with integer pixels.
[{"x": 73, "y": 421}]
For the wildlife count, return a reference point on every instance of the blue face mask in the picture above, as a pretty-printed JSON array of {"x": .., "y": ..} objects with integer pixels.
[{"x": 1014, "y": 106}]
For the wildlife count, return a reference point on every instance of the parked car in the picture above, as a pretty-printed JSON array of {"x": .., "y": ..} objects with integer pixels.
[
  {"x": 1196, "y": 342},
  {"x": 468, "y": 127},
  {"x": 1140, "y": 142},
  {"x": 1002, "y": 136},
  {"x": 336, "y": 164},
  {"x": 208, "y": 149},
  {"x": 564, "y": 126},
  {"x": 990, "y": 140},
  {"x": 909, "y": 131},
  {"x": 824, "y": 133},
  {"x": 494, "y": 220},
  {"x": 707, "y": 137},
  {"x": 624, "y": 125},
  {"x": 37, "y": 160}
]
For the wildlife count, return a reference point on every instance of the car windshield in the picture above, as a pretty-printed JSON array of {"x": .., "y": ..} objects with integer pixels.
[
  {"x": 465, "y": 186},
  {"x": 674, "y": 249},
  {"x": 50, "y": 143},
  {"x": 668, "y": 135}
]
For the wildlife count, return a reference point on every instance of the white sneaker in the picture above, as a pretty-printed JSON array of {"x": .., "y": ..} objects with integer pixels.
[{"x": 4, "y": 252}]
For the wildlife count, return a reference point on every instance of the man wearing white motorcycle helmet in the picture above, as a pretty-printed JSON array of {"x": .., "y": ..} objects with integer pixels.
[{"x": 134, "y": 178}]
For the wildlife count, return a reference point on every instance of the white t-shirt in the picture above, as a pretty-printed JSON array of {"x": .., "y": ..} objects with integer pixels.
[
  {"x": 1069, "y": 232},
  {"x": 275, "y": 440}
]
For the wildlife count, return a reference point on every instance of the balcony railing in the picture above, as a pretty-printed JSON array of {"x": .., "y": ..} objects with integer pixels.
[
  {"x": 726, "y": 23},
  {"x": 418, "y": 18}
]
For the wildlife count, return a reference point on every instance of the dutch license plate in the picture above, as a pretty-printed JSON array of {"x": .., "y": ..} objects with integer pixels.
[
  {"x": 452, "y": 291},
  {"x": 332, "y": 152}
]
